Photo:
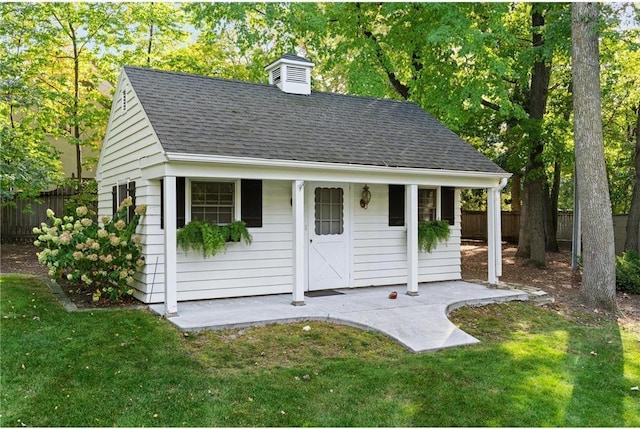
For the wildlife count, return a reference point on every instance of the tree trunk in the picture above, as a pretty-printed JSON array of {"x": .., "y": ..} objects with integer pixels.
[
  {"x": 76, "y": 101},
  {"x": 633, "y": 222},
  {"x": 551, "y": 211},
  {"x": 516, "y": 193},
  {"x": 599, "y": 275},
  {"x": 537, "y": 256},
  {"x": 535, "y": 174},
  {"x": 524, "y": 238}
]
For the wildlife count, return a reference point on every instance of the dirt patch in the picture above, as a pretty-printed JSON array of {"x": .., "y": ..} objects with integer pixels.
[{"x": 558, "y": 280}]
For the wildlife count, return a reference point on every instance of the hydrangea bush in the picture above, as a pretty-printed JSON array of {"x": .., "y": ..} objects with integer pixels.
[{"x": 103, "y": 257}]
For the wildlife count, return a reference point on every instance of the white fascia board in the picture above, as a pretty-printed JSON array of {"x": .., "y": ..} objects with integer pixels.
[{"x": 190, "y": 165}]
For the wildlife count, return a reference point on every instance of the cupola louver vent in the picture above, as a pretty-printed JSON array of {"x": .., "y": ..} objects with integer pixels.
[
  {"x": 291, "y": 73},
  {"x": 275, "y": 75},
  {"x": 296, "y": 74}
]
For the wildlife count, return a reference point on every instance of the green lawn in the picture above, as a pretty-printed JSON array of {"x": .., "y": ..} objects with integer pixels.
[{"x": 132, "y": 368}]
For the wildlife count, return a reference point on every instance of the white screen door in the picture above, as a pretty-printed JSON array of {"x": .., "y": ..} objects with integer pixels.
[{"x": 328, "y": 236}]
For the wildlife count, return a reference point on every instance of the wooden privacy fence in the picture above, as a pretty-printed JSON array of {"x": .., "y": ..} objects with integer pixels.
[
  {"x": 18, "y": 220},
  {"x": 474, "y": 225}
]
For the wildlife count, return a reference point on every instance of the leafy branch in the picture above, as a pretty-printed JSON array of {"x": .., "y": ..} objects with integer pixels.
[
  {"x": 210, "y": 238},
  {"x": 431, "y": 233}
]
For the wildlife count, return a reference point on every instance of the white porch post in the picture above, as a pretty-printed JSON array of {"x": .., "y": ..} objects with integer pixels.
[
  {"x": 299, "y": 271},
  {"x": 170, "y": 254},
  {"x": 411, "y": 215},
  {"x": 498, "y": 234},
  {"x": 491, "y": 236},
  {"x": 494, "y": 233}
]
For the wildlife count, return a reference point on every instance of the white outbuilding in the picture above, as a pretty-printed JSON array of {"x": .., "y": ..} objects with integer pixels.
[{"x": 331, "y": 186}]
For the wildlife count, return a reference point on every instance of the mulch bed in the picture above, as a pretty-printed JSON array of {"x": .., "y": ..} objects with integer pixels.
[
  {"x": 22, "y": 259},
  {"x": 558, "y": 280}
]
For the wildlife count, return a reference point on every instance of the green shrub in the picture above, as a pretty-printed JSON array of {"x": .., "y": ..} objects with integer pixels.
[
  {"x": 103, "y": 258},
  {"x": 211, "y": 238},
  {"x": 85, "y": 194},
  {"x": 431, "y": 233},
  {"x": 628, "y": 272}
]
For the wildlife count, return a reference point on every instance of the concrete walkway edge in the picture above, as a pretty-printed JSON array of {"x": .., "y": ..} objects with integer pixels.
[{"x": 419, "y": 323}]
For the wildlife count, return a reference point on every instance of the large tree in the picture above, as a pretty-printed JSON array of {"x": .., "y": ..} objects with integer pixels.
[
  {"x": 79, "y": 34},
  {"x": 28, "y": 162},
  {"x": 599, "y": 276}
]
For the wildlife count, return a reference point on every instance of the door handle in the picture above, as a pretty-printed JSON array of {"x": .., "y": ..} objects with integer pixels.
[{"x": 311, "y": 240}]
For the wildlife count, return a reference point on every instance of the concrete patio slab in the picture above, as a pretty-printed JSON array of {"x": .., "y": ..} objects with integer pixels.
[{"x": 419, "y": 323}]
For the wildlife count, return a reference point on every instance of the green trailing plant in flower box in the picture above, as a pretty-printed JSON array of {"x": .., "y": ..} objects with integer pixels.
[
  {"x": 210, "y": 238},
  {"x": 431, "y": 233}
]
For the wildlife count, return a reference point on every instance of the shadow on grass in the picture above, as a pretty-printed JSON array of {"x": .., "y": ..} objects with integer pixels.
[
  {"x": 541, "y": 370},
  {"x": 597, "y": 366}
]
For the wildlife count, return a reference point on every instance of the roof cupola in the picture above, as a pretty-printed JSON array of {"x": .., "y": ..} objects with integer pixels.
[{"x": 291, "y": 73}]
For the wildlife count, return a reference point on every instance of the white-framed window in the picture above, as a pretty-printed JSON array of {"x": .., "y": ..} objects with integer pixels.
[
  {"x": 329, "y": 211},
  {"x": 119, "y": 192},
  {"x": 433, "y": 204},
  {"x": 213, "y": 201},
  {"x": 427, "y": 204}
]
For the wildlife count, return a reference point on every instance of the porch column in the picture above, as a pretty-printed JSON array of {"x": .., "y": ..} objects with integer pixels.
[
  {"x": 491, "y": 236},
  {"x": 299, "y": 271},
  {"x": 411, "y": 211},
  {"x": 170, "y": 254},
  {"x": 498, "y": 247},
  {"x": 494, "y": 233}
]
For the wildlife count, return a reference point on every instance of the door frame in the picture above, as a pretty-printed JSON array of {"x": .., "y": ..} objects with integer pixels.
[{"x": 347, "y": 225}]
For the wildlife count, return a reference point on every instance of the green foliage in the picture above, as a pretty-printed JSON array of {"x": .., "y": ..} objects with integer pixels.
[
  {"x": 86, "y": 194},
  {"x": 210, "y": 238},
  {"x": 101, "y": 257},
  {"x": 28, "y": 162},
  {"x": 431, "y": 233},
  {"x": 468, "y": 64},
  {"x": 628, "y": 272}
]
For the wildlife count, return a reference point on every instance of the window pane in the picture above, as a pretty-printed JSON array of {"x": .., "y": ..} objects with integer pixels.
[
  {"x": 329, "y": 211},
  {"x": 426, "y": 205},
  {"x": 326, "y": 211},
  {"x": 212, "y": 202}
]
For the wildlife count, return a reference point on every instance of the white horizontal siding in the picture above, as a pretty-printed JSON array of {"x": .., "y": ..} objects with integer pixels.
[
  {"x": 443, "y": 263},
  {"x": 129, "y": 138},
  {"x": 380, "y": 251},
  {"x": 262, "y": 267}
]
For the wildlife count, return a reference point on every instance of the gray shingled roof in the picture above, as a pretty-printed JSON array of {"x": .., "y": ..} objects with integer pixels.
[{"x": 209, "y": 116}]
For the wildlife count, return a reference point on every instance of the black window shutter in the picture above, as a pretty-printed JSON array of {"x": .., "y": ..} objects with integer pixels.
[
  {"x": 131, "y": 192},
  {"x": 396, "y": 205},
  {"x": 180, "y": 202},
  {"x": 114, "y": 200},
  {"x": 251, "y": 202},
  {"x": 447, "y": 211},
  {"x": 122, "y": 193}
]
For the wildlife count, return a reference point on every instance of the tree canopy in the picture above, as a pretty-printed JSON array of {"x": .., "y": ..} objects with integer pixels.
[{"x": 483, "y": 69}]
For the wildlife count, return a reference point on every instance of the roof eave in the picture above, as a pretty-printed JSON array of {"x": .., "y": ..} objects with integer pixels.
[{"x": 263, "y": 162}]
